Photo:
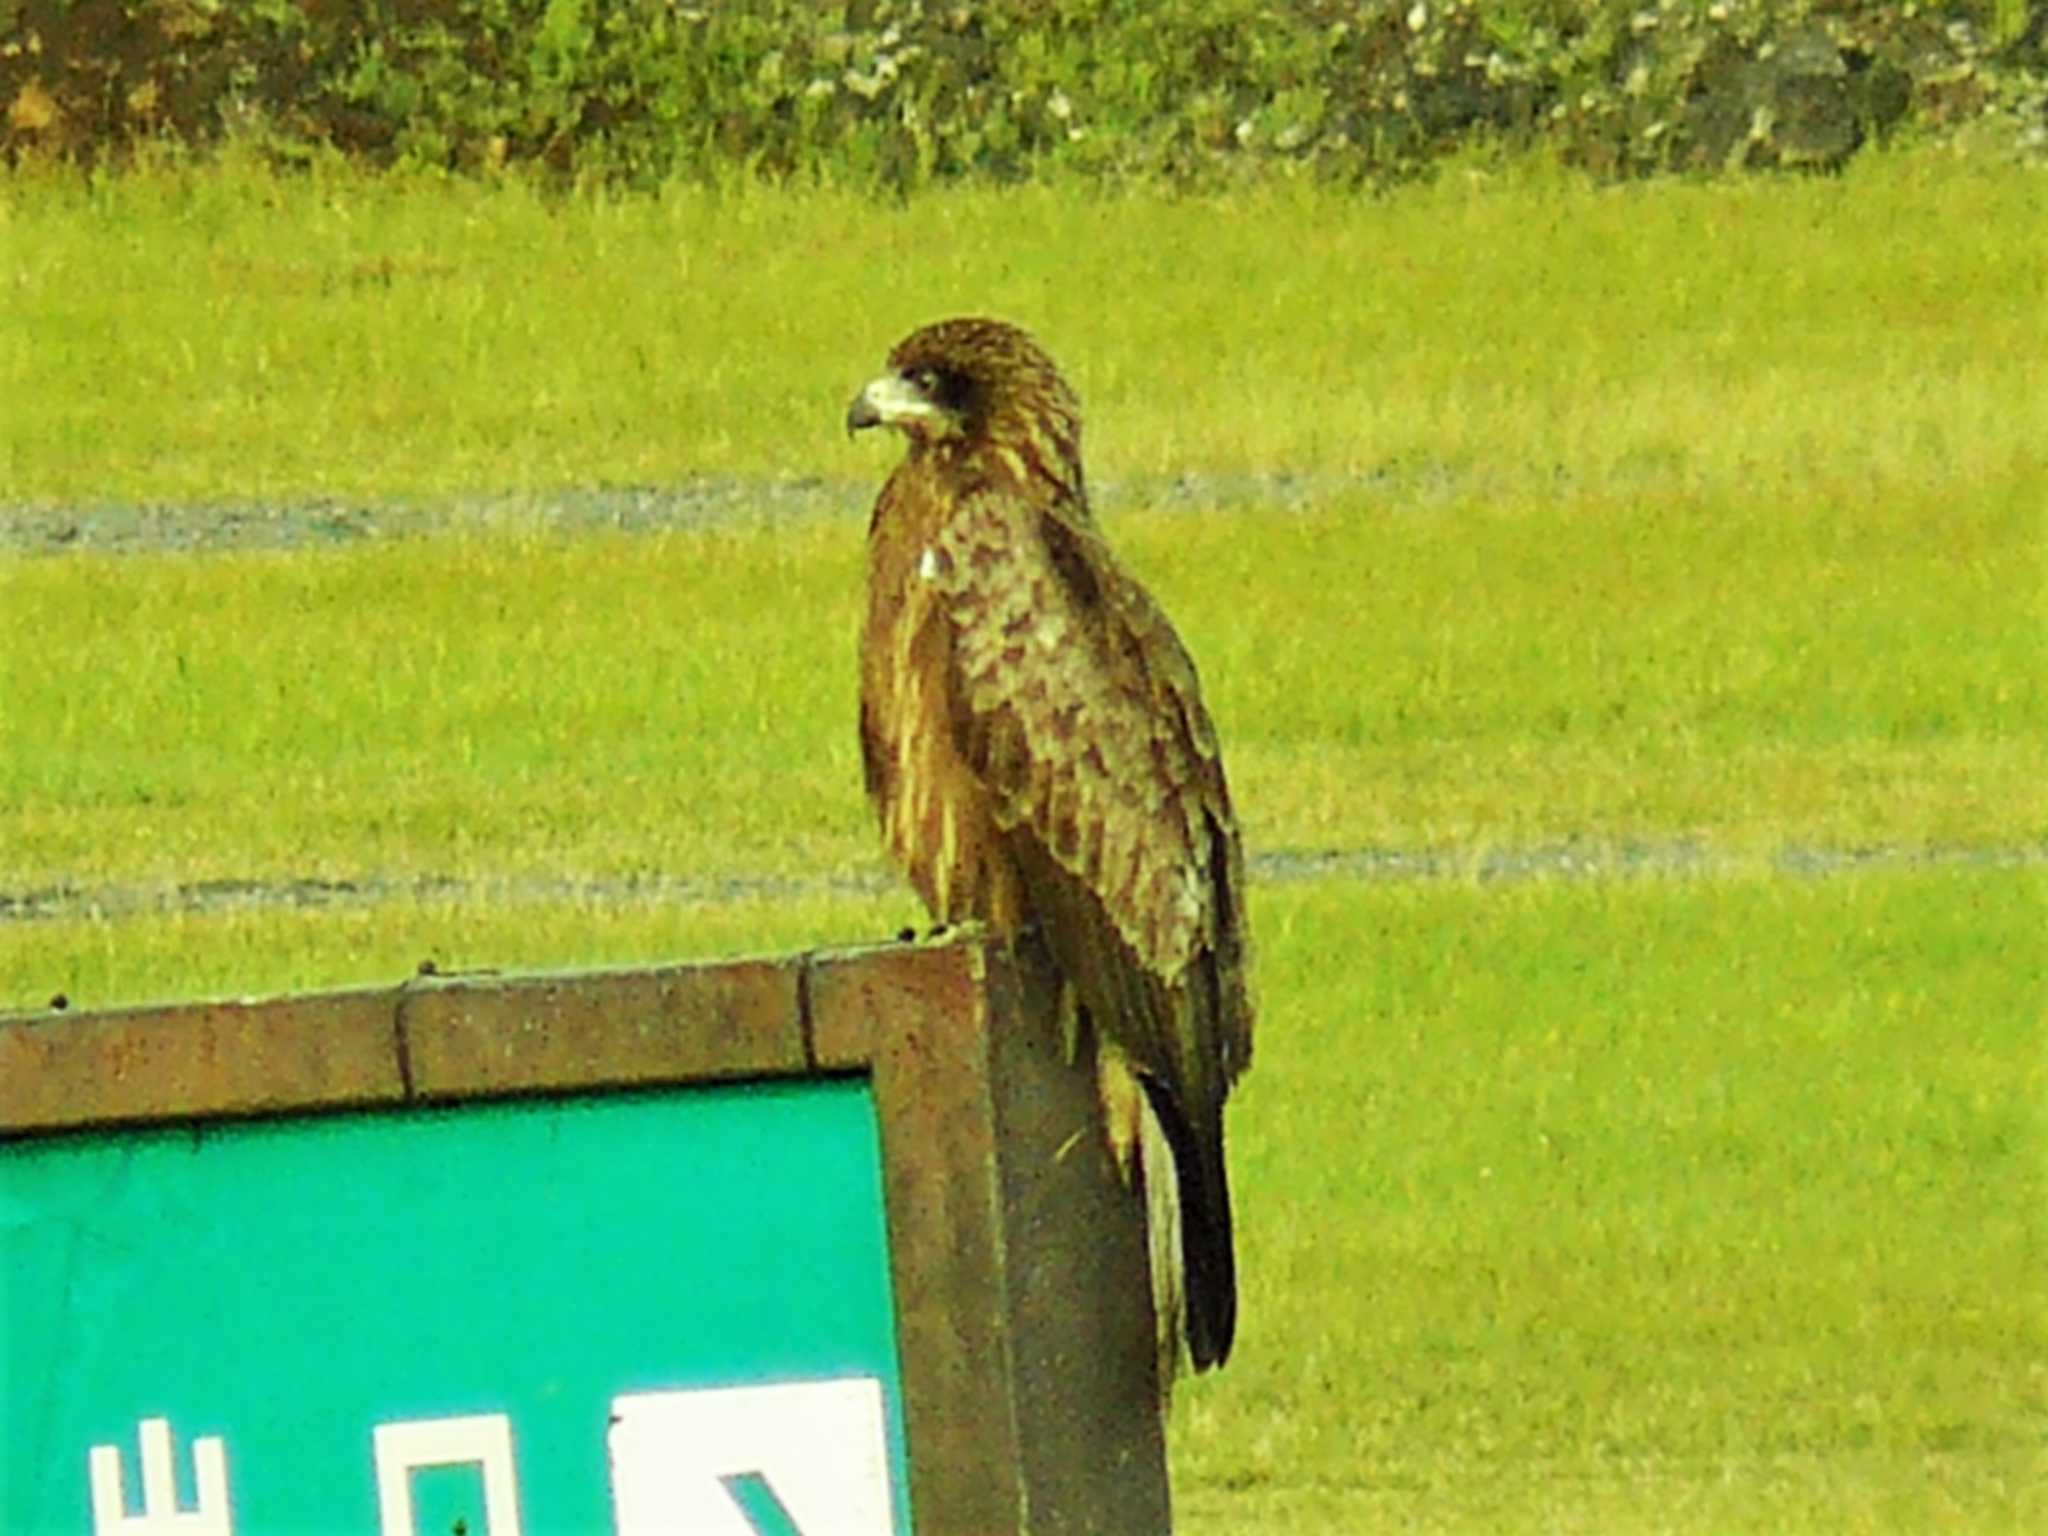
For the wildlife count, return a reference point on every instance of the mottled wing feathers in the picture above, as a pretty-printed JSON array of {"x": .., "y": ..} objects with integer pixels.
[{"x": 1077, "y": 707}]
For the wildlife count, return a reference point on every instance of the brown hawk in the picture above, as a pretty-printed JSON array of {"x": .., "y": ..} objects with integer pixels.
[{"x": 1036, "y": 748}]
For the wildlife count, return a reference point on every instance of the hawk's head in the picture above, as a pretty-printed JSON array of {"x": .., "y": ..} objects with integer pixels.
[{"x": 974, "y": 385}]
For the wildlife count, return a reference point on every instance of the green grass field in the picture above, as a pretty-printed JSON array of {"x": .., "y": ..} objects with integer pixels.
[
  {"x": 1609, "y": 1206},
  {"x": 1640, "y": 1207},
  {"x": 1502, "y": 515},
  {"x": 188, "y": 335},
  {"x": 476, "y": 707}
]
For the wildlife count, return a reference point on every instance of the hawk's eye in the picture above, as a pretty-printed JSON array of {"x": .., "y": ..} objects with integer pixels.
[{"x": 926, "y": 380}]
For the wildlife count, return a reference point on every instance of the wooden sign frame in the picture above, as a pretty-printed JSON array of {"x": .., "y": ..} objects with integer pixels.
[{"x": 1017, "y": 1255}]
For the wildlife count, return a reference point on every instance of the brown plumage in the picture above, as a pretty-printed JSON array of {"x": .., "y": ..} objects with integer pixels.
[{"x": 1037, "y": 751}]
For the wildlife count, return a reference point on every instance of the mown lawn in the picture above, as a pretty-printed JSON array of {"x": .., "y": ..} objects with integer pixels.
[
  {"x": 193, "y": 333},
  {"x": 1698, "y": 513},
  {"x": 1643, "y": 1205},
  {"x": 1640, "y": 1206},
  {"x": 1736, "y": 676},
  {"x": 1504, "y": 514}
]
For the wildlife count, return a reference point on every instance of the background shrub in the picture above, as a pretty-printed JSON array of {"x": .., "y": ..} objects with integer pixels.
[{"x": 903, "y": 92}]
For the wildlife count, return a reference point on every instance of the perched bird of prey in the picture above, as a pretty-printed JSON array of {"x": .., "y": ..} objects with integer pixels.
[{"x": 1036, "y": 748}]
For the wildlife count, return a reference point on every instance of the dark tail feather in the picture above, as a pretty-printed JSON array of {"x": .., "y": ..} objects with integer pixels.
[{"x": 1208, "y": 1258}]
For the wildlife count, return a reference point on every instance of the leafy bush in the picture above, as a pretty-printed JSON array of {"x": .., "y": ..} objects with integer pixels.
[{"x": 903, "y": 92}]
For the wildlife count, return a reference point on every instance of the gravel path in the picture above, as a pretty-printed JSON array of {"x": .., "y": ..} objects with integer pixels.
[
  {"x": 146, "y": 529},
  {"x": 1644, "y": 861},
  {"x": 149, "y": 528}
]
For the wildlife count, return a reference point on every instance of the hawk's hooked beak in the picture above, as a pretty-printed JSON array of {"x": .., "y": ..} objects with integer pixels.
[{"x": 888, "y": 401}]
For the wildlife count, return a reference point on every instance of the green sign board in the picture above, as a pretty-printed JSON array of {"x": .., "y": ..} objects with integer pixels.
[
  {"x": 803, "y": 1244},
  {"x": 657, "y": 1311}
]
